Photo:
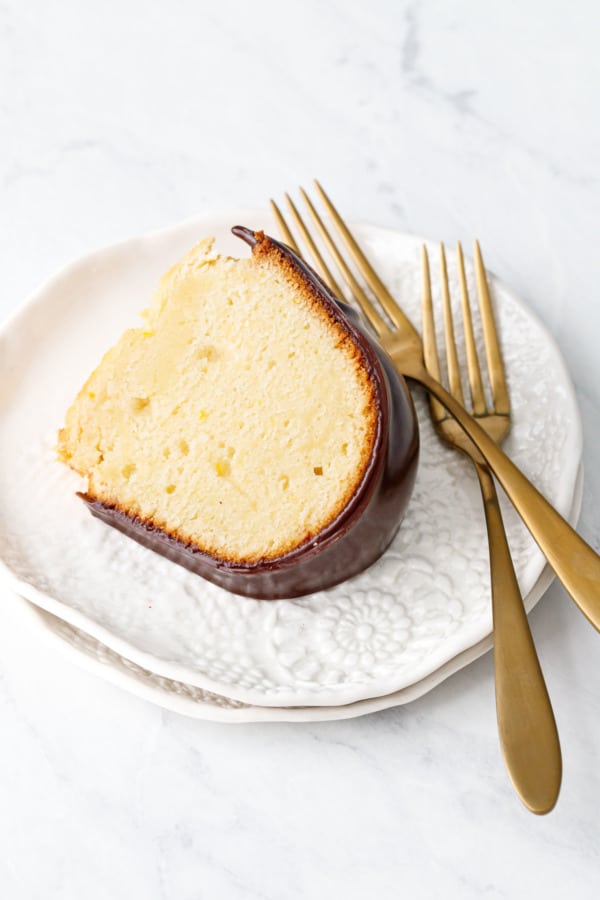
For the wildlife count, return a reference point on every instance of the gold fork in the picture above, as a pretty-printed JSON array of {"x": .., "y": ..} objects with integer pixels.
[
  {"x": 526, "y": 725},
  {"x": 575, "y": 563}
]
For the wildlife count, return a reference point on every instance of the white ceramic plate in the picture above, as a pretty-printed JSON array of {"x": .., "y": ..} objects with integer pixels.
[{"x": 424, "y": 603}]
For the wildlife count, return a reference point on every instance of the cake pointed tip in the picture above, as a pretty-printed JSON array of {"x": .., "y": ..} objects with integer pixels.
[{"x": 247, "y": 234}]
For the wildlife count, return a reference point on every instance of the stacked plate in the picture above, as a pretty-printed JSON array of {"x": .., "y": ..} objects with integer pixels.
[{"x": 382, "y": 639}]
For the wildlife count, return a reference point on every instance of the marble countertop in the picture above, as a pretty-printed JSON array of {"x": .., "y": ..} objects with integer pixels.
[{"x": 449, "y": 120}]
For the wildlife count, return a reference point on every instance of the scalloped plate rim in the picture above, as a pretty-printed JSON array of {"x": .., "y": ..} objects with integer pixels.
[{"x": 350, "y": 693}]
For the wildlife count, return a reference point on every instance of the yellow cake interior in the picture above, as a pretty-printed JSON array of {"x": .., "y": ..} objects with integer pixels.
[{"x": 239, "y": 418}]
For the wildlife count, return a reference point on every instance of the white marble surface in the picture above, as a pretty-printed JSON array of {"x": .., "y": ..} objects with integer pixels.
[{"x": 444, "y": 119}]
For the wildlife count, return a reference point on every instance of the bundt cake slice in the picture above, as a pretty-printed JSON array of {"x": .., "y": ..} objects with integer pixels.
[{"x": 237, "y": 424}]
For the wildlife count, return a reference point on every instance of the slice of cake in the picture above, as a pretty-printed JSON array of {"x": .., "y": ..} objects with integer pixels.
[{"x": 238, "y": 425}]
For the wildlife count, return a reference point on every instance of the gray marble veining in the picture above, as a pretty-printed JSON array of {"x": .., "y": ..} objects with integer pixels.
[{"x": 450, "y": 120}]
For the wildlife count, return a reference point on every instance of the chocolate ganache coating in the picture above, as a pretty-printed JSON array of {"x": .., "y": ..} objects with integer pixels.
[{"x": 364, "y": 528}]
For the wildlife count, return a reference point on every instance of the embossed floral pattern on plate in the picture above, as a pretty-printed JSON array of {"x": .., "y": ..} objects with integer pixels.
[{"x": 423, "y": 603}]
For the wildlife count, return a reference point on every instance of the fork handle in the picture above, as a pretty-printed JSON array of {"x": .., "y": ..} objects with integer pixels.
[
  {"x": 526, "y": 724},
  {"x": 576, "y": 565}
]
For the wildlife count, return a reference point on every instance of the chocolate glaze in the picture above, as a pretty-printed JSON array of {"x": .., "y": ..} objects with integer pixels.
[{"x": 362, "y": 531}]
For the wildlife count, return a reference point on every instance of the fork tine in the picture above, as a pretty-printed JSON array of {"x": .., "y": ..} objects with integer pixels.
[
  {"x": 475, "y": 382},
  {"x": 451, "y": 355},
  {"x": 430, "y": 354},
  {"x": 364, "y": 266},
  {"x": 361, "y": 298},
  {"x": 285, "y": 231},
  {"x": 490, "y": 338},
  {"x": 325, "y": 272}
]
